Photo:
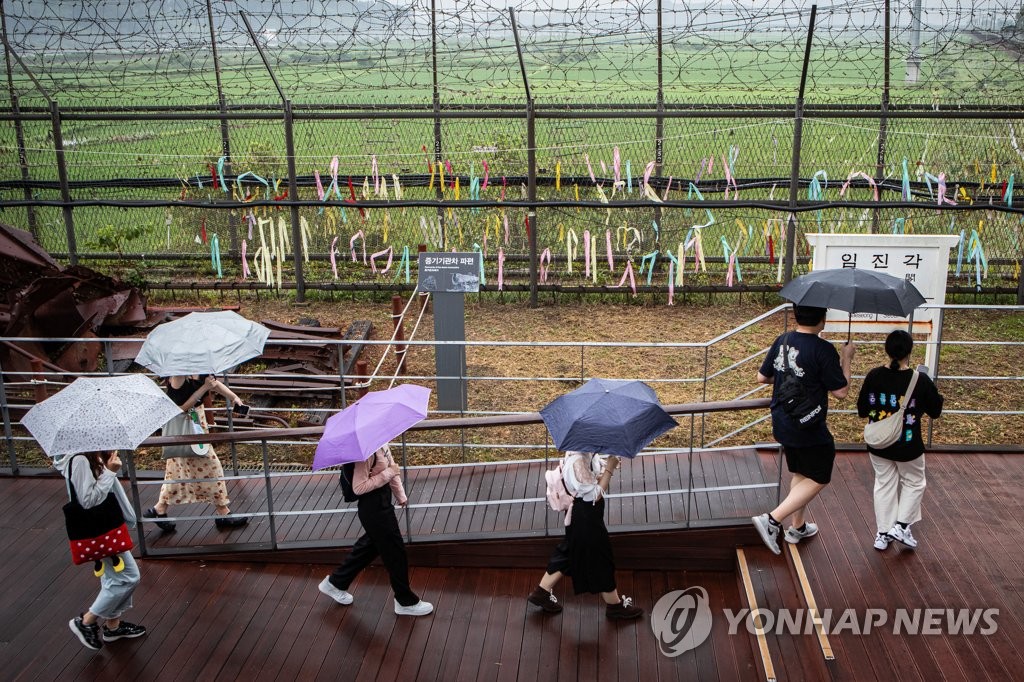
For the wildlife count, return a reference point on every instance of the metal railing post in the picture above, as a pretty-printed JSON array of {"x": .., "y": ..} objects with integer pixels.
[
  {"x": 133, "y": 484},
  {"x": 408, "y": 490},
  {"x": 12, "y": 456},
  {"x": 270, "y": 494}
]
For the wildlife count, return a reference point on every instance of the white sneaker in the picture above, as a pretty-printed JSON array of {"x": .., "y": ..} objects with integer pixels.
[
  {"x": 882, "y": 541},
  {"x": 420, "y": 608},
  {"x": 340, "y": 596},
  {"x": 794, "y": 535},
  {"x": 769, "y": 532},
  {"x": 903, "y": 536}
]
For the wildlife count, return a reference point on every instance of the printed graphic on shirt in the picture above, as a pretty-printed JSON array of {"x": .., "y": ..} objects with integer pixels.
[{"x": 793, "y": 354}]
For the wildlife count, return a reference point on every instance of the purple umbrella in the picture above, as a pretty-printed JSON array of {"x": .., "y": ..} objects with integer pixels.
[{"x": 363, "y": 427}]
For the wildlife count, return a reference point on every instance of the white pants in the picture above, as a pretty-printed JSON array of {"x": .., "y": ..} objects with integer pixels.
[{"x": 899, "y": 487}]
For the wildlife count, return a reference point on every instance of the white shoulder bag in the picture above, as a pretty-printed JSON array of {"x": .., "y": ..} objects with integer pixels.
[{"x": 885, "y": 432}]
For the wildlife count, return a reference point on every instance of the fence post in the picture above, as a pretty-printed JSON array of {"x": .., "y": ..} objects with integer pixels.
[
  {"x": 659, "y": 124},
  {"x": 19, "y": 131},
  {"x": 293, "y": 196},
  {"x": 883, "y": 121},
  {"x": 8, "y": 434},
  {"x": 361, "y": 377},
  {"x": 439, "y": 192},
  {"x": 531, "y": 162},
  {"x": 65, "y": 188},
  {"x": 798, "y": 129},
  {"x": 224, "y": 139},
  {"x": 133, "y": 483},
  {"x": 270, "y": 495}
]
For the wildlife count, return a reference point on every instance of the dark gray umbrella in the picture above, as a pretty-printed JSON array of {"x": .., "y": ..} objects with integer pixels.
[
  {"x": 608, "y": 416},
  {"x": 854, "y": 291}
]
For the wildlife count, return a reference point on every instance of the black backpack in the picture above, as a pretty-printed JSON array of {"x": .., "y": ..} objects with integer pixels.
[
  {"x": 794, "y": 398},
  {"x": 345, "y": 480}
]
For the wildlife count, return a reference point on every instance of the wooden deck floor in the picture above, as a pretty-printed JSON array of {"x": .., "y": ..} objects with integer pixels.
[{"x": 223, "y": 620}]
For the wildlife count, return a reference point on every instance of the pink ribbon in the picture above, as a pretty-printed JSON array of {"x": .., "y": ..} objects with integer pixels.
[
  {"x": 373, "y": 258},
  {"x": 504, "y": 184},
  {"x": 858, "y": 174},
  {"x": 628, "y": 273},
  {"x": 375, "y": 174},
  {"x": 545, "y": 255},
  {"x": 586, "y": 157},
  {"x": 711, "y": 164},
  {"x": 667, "y": 188},
  {"x": 334, "y": 264},
  {"x": 616, "y": 164},
  {"x": 647, "y": 173},
  {"x": 501, "y": 269},
  {"x": 942, "y": 191},
  {"x": 487, "y": 175},
  {"x": 451, "y": 174},
  {"x": 319, "y": 185},
  {"x": 251, "y": 219},
  {"x": 245, "y": 263},
  {"x": 732, "y": 267},
  {"x": 334, "y": 178},
  {"x": 352, "y": 245},
  {"x": 729, "y": 180},
  {"x": 611, "y": 258},
  {"x": 505, "y": 217},
  {"x": 604, "y": 168}
]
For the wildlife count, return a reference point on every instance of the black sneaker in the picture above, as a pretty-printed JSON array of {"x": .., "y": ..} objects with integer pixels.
[
  {"x": 88, "y": 635},
  {"x": 228, "y": 523},
  {"x": 624, "y": 610},
  {"x": 545, "y": 600},
  {"x": 165, "y": 526},
  {"x": 123, "y": 631}
]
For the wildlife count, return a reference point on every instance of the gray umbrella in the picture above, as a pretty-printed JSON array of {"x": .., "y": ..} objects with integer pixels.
[
  {"x": 202, "y": 343},
  {"x": 854, "y": 291}
]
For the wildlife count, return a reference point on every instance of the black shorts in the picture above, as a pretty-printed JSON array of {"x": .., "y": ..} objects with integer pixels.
[{"x": 814, "y": 462}]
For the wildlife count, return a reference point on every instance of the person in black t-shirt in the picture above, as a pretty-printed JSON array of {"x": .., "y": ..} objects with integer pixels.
[
  {"x": 810, "y": 452},
  {"x": 899, "y": 468}
]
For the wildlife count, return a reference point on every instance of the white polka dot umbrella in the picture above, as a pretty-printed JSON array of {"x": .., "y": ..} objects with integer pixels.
[{"x": 99, "y": 414}]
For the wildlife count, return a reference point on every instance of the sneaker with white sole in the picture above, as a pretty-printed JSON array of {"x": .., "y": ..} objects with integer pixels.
[
  {"x": 337, "y": 594},
  {"x": 125, "y": 630},
  {"x": 420, "y": 608},
  {"x": 882, "y": 541},
  {"x": 88, "y": 635},
  {"x": 795, "y": 535},
  {"x": 769, "y": 532},
  {"x": 903, "y": 536}
]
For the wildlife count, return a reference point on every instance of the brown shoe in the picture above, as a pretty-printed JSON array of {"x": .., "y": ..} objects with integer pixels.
[
  {"x": 545, "y": 600},
  {"x": 624, "y": 610}
]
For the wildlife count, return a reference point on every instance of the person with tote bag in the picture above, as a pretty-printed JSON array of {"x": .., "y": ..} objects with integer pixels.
[
  {"x": 897, "y": 392},
  {"x": 91, "y": 480}
]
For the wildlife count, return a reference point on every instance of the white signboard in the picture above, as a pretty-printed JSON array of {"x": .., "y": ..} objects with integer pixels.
[{"x": 919, "y": 258}]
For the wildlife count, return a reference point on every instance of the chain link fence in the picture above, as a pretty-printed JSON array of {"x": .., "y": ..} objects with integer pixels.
[{"x": 155, "y": 139}]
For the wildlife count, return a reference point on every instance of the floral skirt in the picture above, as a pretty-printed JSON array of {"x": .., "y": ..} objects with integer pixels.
[{"x": 210, "y": 486}]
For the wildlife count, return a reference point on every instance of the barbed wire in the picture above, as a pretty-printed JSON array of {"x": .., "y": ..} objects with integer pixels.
[{"x": 118, "y": 52}]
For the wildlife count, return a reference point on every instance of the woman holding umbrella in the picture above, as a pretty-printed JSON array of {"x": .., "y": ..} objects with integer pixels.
[
  {"x": 92, "y": 477},
  {"x": 201, "y": 471},
  {"x": 899, "y": 468},
  {"x": 373, "y": 481},
  {"x": 586, "y": 553}
]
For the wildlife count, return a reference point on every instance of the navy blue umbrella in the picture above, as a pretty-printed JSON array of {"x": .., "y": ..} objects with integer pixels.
[{"x": 609, "y": 416}]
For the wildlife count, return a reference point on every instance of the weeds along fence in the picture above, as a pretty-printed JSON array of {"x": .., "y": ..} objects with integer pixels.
[{"x": 322, "y": 145}]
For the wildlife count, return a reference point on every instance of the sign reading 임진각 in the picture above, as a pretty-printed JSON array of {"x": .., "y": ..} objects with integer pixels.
[{"x": 920, "y": 259}]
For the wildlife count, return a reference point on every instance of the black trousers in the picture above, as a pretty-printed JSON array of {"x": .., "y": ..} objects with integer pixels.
[{"x": 382, "y": 538}]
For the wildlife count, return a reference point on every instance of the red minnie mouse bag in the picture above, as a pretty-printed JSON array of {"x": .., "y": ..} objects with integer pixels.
[{"x": 97, "y": 532}]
